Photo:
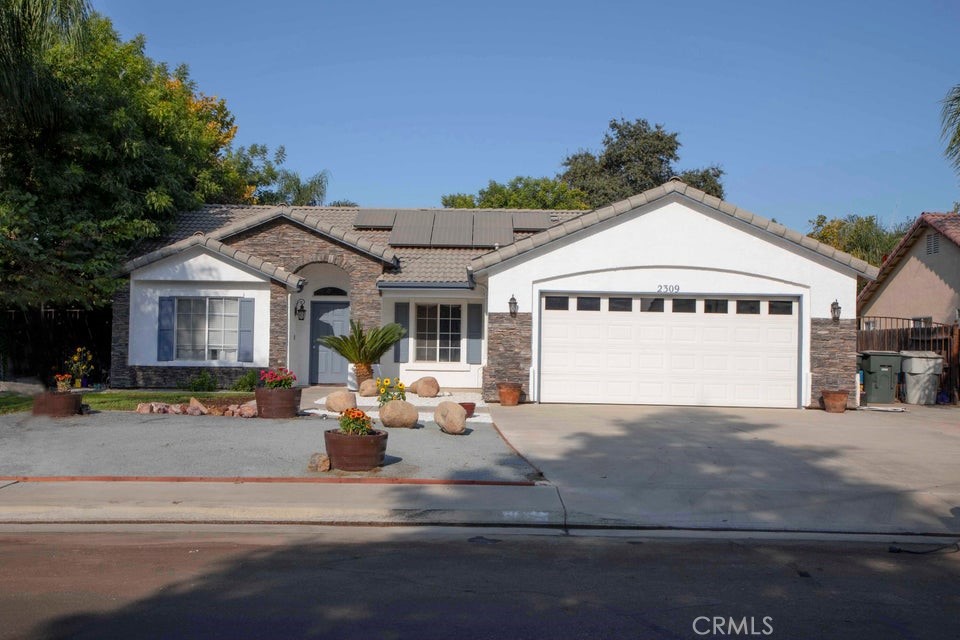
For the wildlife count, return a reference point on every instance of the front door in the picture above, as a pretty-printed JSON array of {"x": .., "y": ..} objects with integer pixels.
[{"x": 328, "y": 319}]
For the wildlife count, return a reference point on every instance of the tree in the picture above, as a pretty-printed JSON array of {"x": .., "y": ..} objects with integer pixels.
[
  {"x": 635, "y": 157},
  {"x": 863, "y": 237},
  {"x": 133, "y": 144},
  {"x": 521, "y": 193},
  {"x": 297, "y": 192},
  {"x": 30, "y": 94},
  {"x": 950, "y": 119},
  {"x": 343, "y": 203}
]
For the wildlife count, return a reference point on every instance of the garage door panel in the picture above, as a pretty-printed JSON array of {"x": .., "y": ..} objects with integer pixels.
[{"x": 669, "y": 358}]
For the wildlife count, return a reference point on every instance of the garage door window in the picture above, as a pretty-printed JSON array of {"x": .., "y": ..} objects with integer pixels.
[
  {"x": 714, "y": 306},
  {"x": 621, "y": 304},
  {"x": 588, "y": 304},
  {"x": 556, "y": 303},
  {"x": 780, "y": 308},
  {"x": 748, "y": 307},
  {"x": 684, "y": 305},
  {"x": 651, "y": 305}
]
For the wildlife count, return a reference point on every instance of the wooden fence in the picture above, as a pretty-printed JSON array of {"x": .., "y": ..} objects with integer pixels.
[{"x": 876, "y": 333}]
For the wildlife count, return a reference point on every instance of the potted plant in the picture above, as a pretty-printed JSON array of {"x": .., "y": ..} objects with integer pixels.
[
  {"x": 362, "y": 348},
  {"x": 276, "y": 397},
  {"x": 509, "y": 393},
  {"x": 356, "y": 445},
  {"x": 60, "y": 403}
]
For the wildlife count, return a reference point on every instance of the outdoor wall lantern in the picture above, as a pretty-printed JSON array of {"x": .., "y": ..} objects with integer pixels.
[
  {"x": 513, "y": 306},
  {"x": 300, "y": 310},
  {"x": 835, "y": 311}
]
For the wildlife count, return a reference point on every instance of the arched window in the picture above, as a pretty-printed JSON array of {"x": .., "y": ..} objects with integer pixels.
[{"x": 329, "y": 291}]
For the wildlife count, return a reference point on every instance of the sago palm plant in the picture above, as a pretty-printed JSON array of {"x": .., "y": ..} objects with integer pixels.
[{"x": 364, "y": 348}]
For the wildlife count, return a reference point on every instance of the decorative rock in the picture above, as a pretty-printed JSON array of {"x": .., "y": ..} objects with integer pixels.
[
  {"x": 247, "y": 411},
  {"x": 399, "y": 414},
  {"x": 177, "y": 409},
  {"x": 319, "y": 462},
  {"x": 340, "y": 401},
  {"x": 144, "y": 407},
  {"x": 228, "y": 413},
  {"x": 158, "y": 407},
  {"x": 451, "y": 417},
  {"x": 427, "y": 387},
  {"x": 193, "y": 411},
  {"x": 216, "y": 411},
  {"x": 199, "y": 405},
  {"x": 368, "y": 389}
]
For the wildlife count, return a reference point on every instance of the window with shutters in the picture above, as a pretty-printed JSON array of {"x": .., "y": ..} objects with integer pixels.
[
  {"x": 207, "y": 329},
  {"x": 438, "y": 332}
]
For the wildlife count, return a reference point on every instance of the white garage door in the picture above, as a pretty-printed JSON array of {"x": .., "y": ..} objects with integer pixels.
[{"x": 699, "y": 351}]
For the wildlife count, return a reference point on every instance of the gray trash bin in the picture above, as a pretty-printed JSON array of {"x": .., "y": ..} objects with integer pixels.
[
  {"x": 921, "y": 373},
  {"x": 880, "y": 371}
]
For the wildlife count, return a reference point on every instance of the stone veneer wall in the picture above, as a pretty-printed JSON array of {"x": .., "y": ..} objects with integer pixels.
[
  {"x": 284, "y": 244},
  {"x": 509, "y": 352},
  {"x": 833, "y": 357}
]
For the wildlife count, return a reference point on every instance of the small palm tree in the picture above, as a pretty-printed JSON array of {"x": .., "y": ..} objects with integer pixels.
[
  {"x": 362, "y": 349},
  {"x": 950, "y": 120}
]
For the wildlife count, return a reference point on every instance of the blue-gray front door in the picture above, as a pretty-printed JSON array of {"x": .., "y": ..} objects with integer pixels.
[{"x": 327, "y": 319}]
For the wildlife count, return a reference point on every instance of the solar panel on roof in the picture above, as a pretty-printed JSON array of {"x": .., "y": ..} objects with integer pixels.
[
  {"x": 374, "y": 219},
  {"x": 531, "y": 220},
  {"x": 491, "y": 228},
  {"x": 452, "y": 229},
  {"x": 412, "y": 229}
]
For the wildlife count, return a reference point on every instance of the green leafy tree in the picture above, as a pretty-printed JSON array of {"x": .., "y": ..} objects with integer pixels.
[
  {"x": 635, "y": 157},
  {"x": 132, "y": 143},
  {"x": 864, "y": 237},
  {"x": 950, "y": 121},
  {"x": 343, "y": 203},
  {"x": 521, "y": 193}
]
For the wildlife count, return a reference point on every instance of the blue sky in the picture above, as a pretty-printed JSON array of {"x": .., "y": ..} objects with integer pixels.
[{"x": 810, "y": 107}]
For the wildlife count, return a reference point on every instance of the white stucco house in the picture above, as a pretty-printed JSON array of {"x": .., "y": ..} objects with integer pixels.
[{"x": 670, "y": 297}]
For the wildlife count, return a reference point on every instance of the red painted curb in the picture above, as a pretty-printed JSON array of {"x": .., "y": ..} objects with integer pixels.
[{"x": 269, "y": 480}]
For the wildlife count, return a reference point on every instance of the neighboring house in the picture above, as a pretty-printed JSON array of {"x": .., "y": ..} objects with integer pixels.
[
  {"x": 920, "y": 279},
  {"x": 670, "y": 297}
]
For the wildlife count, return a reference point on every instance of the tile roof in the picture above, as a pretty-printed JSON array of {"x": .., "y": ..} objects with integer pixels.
[
  {"x": 269, "y": 270},
  {"x": 948, "y": 224},
  {"x": 446, "y": 266},
  {"x": 674, "y": 186}
]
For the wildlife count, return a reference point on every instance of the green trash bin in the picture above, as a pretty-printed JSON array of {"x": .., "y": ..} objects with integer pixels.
[
  {"x": 880, "y": 372},
  {"x": 921, "y": 376}
]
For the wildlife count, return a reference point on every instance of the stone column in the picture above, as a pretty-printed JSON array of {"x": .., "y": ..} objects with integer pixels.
[
  {"x": 509, "y": 352},
  {"x": 833, "y": 357}
]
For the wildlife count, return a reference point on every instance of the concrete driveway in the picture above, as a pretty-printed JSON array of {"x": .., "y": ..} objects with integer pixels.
[{"x": 769, "y": 469}]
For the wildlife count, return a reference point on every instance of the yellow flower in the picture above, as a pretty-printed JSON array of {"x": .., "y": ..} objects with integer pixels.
[
  {"x": 401, "y": 387},
  {"x": 378, "y": 382},
  {"x": 383, "y": 389}
]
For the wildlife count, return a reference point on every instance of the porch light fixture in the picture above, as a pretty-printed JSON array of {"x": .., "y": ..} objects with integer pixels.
[
  {"x": 835, "y": 311},
  {"x": 513, "y": 306},
  {"x": 301, "y": 309}
]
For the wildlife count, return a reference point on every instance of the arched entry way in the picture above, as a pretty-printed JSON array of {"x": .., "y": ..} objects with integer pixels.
[{"x": 327, "y": 293}]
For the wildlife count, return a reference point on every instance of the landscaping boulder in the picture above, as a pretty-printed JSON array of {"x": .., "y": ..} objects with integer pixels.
[
  {"x": 199, "y": 406},
  {"x": 399, "y": 414},
  {"x": 340, "y": 401},
  {"x": 176, "y": 409},
  {"x": 451, "y": 417},
  {"x": 144, "y": 407},
  {"x": 319, "y": 462},
  {"x": 247, "y": 410},
  {"x": 368, "y": 389},
  {"x": 426, "y": 387}
]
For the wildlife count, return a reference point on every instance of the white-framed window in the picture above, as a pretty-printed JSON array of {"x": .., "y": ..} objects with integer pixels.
[
  {"x": 438, "y": 332},
  {"x": 207, "y": 329}
]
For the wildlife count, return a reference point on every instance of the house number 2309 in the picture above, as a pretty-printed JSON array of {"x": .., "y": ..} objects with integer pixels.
[{"x": 668, "y": 288}]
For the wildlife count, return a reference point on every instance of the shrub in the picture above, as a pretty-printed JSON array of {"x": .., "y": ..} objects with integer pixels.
[
  {"x": 203, "y": 381},
  {"x": 246, "y": 382}
]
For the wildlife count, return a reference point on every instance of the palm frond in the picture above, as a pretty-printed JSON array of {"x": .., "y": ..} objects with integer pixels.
[{"x": 365, "y": 347}]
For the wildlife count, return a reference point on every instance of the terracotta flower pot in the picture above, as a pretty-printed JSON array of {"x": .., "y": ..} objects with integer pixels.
[
  {"x": 509, "y": 393},
  {"x": 349, "y": 452},
  {"x": 469, "y": 407},
  {"x": 834, "y": 400},
  {"x": 277, "y": 403},
  {"x": 57, "y": 405}
]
